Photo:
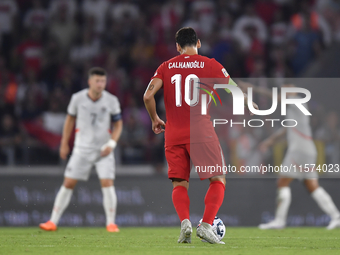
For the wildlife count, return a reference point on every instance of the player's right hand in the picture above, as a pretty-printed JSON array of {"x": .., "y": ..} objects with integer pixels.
[
  {"x": 158, "y": 126},
  {"x": 64, "y": 151}
]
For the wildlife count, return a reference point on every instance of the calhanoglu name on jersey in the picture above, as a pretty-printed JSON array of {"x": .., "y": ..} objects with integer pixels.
[{"x": 193, "y": 64}]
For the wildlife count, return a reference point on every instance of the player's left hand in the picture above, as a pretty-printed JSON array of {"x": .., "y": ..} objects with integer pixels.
[
  {"x": 256, "y": 108},
  {"x": 106, "y": 151}
]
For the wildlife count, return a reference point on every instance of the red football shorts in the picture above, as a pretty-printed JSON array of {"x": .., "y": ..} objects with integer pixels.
[{"x": 207, "y": 159}]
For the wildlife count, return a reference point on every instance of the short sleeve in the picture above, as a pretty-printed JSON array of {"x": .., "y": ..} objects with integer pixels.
[
  {"x": 159, "y": 72},
  {"x": 115, "y": 107},
  {"x": 218, "y": 71},
  {"x": 72, "y": 106}
]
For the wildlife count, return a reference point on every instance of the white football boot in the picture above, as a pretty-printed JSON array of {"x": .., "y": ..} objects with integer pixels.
[
  {"x": 275, "y": 224},
  {"x": 206, "y": 232},
  {"x": 334, "y": 224},
  {"x": 186, "y": 230}
]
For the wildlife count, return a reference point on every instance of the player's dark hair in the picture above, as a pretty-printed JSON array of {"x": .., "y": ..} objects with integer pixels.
[
  {"x": 97, "y": 71},
  {"x": 186, "y": 36}
]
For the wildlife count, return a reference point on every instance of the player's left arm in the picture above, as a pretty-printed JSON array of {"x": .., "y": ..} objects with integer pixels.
[
  {"x": 150, "y": 105},
  {"x": 117, "y": 128},
  {"x": 243, "y": 85},
  {"x": 259, "y": 90},
  {"x": 256, "y": 107},
  {"x": 218, "y": 71}
]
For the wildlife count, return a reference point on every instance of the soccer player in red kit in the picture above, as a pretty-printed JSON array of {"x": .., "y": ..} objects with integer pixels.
[{"x": 190, "y": 137}]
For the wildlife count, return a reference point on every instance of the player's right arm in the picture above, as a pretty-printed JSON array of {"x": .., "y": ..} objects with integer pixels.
[
  {"x": 70, "y": 120},
  {"x": 279, "y": 134},
  {"x": 150, "y": 104},
  {"x": 67, "y": 131}
]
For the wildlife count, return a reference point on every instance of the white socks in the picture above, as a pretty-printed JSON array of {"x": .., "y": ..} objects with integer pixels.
[
  {"x": 61, "y": 201},
  {"x": 110, "y": 204},
  {"x": 325, "y": 202},
  {"x": 321, "y": 197},
  {"x": 284, "y": 197}
]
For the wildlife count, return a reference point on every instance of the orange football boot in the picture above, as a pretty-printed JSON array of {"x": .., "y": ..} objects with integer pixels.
[
  {"x": 112, "y": 228},
  {"x": 48, "y": 226}
]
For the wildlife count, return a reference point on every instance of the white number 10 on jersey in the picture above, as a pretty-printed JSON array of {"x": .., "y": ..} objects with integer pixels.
[{"x": 191, "y": 84}]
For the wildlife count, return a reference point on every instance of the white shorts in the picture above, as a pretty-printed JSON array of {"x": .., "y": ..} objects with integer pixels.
[
  {"x": 79, "y": 167},
  {"x": 293, "y": 161}
]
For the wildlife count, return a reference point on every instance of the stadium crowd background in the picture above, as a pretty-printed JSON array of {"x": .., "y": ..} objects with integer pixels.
[{"x": 48, "y": 46}]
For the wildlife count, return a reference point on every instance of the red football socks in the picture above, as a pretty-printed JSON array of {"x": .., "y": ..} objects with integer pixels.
[
  {"x": 181, "y": 201},
  {"x": 213, "y": 201}
]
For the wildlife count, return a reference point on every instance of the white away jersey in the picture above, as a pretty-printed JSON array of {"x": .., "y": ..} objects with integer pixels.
[
  {"x": 300, "y": 137},
  {"x": 93, "y": 119}
]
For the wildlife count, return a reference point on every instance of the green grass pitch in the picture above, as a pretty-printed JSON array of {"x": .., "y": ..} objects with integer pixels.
[{"x": 164, "y": 241}]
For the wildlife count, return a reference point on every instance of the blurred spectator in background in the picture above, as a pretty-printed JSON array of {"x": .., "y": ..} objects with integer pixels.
[
  {"x": 246, "y": 144},
  {"x": 117, "y": 79},
  {"x": 70, "y": 8},
  {"x": 278, "y": 29},
  {"x": 249, "y": 29},
  {"x": 8, "y": 19},
  {"x": 164, "y": 48},
  {"x": 28, "y": 55},
  {"x": 142, "y": 50},
  {"x": 134, "y": 142},
  {"x": 86, "y": 48},
  {"x": 205, "y": 10},
  {"x": 50, "y": 62},
  {"x": 8, "y": 88},
  {"x": 279, "y": 66},
  {"x": 221, "y": 46},
  {"x": 330, "y": 10},
  {"x": 31, "y": 97},
  {"x": 305, "y": 46},
  {"x": 266, "y": 10},
  {"x": 330, "y": 134},
  {"x": 171, "y": 14},
  {"x": 313, "y": 20},
  {"x": 62, "y": 26},
  {"x": 126, "y": 8},
  {"x": 37, "y": 16},
  {"x": 53, "y": 119},
  {"x": 10, "y": 138},
  {"x": 234, "y": 7},
  {"x": 138, "y": 111},
  {"x": 67, "y": 83},
  {"x": 193, "y": 20},
  {"x": 96, "y": 10}
]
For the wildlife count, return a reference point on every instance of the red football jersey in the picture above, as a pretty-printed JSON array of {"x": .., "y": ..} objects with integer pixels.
[{"x": 185, "y": 123}]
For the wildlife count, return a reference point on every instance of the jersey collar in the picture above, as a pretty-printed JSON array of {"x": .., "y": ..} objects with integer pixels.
[{"x": 93, "y": 101}]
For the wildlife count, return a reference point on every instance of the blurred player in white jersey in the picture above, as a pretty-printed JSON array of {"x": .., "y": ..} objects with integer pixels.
[
  {"x": 93, "y": 111},
  {"x": 301, "y": 150}
]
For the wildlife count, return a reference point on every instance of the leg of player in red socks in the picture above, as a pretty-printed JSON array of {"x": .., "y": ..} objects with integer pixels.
[
  {"x": 181, "y": 201},
  {"x": 213, "y": 199}
]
